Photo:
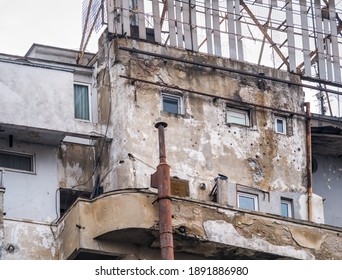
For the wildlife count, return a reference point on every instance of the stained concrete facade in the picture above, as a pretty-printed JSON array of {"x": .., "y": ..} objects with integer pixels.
[
  {"x": 201, "y": 142},
  {"x": 211, "y": 159}
]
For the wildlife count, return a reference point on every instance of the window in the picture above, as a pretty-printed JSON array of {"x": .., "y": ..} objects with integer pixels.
[
  {"x": 280, "y": 125},
  {"x": 16, "y": 161},
  {"x": 238, "y": 116},
  {"x": 172, "y": 103},
  {"x": 248, "y": 201},
  {"x": 286, "y": 207},
  {"x": 82, "y": 102}
]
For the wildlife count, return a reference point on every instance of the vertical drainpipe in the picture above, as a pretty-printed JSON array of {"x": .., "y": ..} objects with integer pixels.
[
  {"x": 164, "y": 198},
  {"x": 309, "y": 159}
]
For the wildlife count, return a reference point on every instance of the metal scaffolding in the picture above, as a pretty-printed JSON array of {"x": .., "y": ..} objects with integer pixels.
[{"x": 299, "y": 36}]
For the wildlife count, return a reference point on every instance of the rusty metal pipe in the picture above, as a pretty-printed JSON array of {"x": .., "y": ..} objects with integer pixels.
[
  {"x": 164, "y": 198},
  {"x": 309, "y": 159}
]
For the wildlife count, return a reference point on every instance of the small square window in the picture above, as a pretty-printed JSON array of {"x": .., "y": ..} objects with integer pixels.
[
  {"x": 172, "y": 103},
  {"x": 17, "y": 161},
  {"x": 280, "y": 125},
  {"x": 286, "y": 208},
  {"x": 248, "y": 201},
  {"x": 238, "y": 116},
  {"x": 82, "y": 102}
]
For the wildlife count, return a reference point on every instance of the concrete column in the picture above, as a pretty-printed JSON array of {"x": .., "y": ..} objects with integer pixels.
[
  {"x": 2, "y": 192},
  {"x": 222, "y": 190}
]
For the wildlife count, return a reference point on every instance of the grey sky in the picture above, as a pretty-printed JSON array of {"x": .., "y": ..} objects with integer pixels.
[{"x": 48, "y": 22}]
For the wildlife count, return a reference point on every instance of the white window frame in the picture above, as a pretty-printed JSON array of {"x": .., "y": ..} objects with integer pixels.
[
  {"x": 178, "y": 98},
  {"x": 289, "y": 205},
  {"x": 233, "y": 112},
  {"x": 283, "y": 120},
  {"x": 248, "y": 195},
  {"x": 27, "y": 155},
  {"x": 89, "y": 101}
]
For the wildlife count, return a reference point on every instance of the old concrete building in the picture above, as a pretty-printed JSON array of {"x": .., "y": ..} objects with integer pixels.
[{"x": 78, "y": 146}]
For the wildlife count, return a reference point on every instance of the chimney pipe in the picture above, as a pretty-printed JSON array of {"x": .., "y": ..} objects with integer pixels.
[{"x": 164, "y": 198}]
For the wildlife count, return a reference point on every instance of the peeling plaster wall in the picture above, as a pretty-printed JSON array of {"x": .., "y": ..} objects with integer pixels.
[
  {"x": 327, "y": 183},
  {"x": 29, "y": 241},
  {"x": 199, "y": 143},
  {"x": 76, "y": 166},
  {"x": 214, "y": 232}
]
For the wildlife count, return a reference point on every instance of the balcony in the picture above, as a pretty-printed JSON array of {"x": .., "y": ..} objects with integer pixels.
[{"x": 125, "y": 223}]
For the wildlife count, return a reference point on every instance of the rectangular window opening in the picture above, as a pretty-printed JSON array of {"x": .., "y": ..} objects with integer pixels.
[
  {"x": 238, "y": 116},
  {"x": 17, "y": 161},
  {"x": 82, "y": 102},
  {"x": 286, "y": 208},
  {"x": 280, "y": 125},
  {"x": 172, "y": 103},
  {"x": 248, "y": 201}
]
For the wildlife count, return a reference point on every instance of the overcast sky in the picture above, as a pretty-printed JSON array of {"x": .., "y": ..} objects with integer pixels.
[{"x": 48, "y": 22}]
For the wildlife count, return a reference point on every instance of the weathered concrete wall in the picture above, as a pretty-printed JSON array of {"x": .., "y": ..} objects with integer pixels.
[
  {"x": 200, "y": 144},
  {"x": 32, "y": 196},
  {"x": 29, "y": 241},
  {"x": 214, "y": 232},
  {"x": 42, "y": 98},
  {"x": 327, "y": 182},
  {"x": 76, "y": 166}
]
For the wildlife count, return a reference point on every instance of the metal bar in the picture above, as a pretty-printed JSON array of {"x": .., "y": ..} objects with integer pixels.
[
  {"x": 319, "y": 40},
  {"x": 264, "y": 39},
  {"x": 208, "y": 27},
  {"x": 257, "y": 23},
  {"x": 327, "y": 49},
  {"x": 156, "y": 21},
  {"x": 172, "y": 22},
  {"x": 216, "y": 27},
  {"x": 290, "y": 36},
  {"x": 163, "y": 14},
  {"x": 212, "y": 31},
  {"x": 309, "y": 160},
  {"x": 125, "y": 18},
  {"x": 231, "y": 29},
  {"x": 186, "y": 26},
  {"x": 305, "y": 37},
  {"x": 335, "y": 48},
  {"x": 111, "y": 16},
  {"x": 80, "y": 54},
  {"x": 193, "y": 22},
  {"x": 164, "y": 198},
  {"x": 239, "y": 30},
  {"x": 141, "y": 17},
  {"x": 117, "y": 17},
  {"x": 179, "y": 24}
]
